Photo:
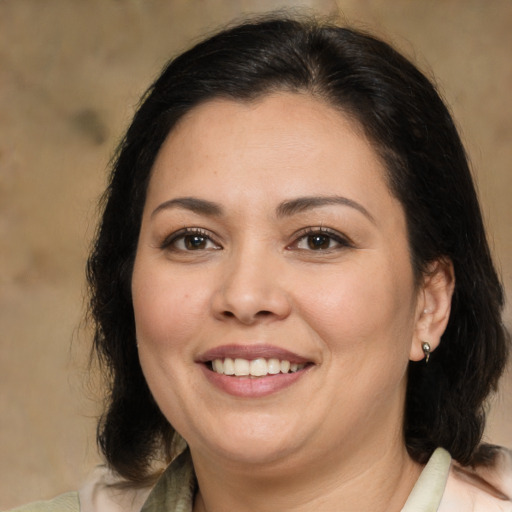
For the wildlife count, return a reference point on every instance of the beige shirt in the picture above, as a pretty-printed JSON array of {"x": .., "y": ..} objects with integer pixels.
[{"x": 442, "y": 487}]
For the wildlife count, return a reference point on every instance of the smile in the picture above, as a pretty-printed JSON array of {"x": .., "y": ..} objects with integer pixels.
[{"x": 260, "y": 367}]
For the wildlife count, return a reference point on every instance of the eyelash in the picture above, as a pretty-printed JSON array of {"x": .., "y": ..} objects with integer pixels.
[
  {"x": 329, "y": 235},
  {"x": 170, "y": 242}
]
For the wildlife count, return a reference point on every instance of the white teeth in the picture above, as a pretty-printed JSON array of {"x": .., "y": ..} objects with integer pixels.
[
  {"x": 285, "y": 366},
  {"x": 258, "y": 367},
  {"x": 241, "y": 367},
  {"x": 229, "y": 366},
  {"x": 274, "y": 366},
  {"x": 255, "y": 368},
  {"x": 218, "y": 366}
]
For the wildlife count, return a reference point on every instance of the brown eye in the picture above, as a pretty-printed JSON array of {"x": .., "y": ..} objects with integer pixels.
[
  {"x": 195, "y": 242},
  {"x": 320, "y": 239},
  {"x": 319, "y": 242},
  {"x": 190, "y": 240}
]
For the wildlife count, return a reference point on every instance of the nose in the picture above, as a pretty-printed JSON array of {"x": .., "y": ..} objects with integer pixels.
[{"x": 250, "y": 291}]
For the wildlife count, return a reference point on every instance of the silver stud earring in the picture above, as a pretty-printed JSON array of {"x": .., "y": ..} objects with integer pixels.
[{"x": 426, "y": 350}]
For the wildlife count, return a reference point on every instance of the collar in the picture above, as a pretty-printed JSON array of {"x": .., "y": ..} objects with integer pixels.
[
  {"x": 175, "y": 490},
  {"x": 428, "y": 491}
]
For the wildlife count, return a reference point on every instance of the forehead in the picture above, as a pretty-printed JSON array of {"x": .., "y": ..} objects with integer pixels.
[
  {"x": 251, "y": 158},
  {"x": 286, "y": 135},
  {"x": 289, "y": 113}
]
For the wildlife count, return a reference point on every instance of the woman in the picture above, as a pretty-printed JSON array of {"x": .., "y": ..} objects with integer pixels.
[{"x": 291, "y": 275}]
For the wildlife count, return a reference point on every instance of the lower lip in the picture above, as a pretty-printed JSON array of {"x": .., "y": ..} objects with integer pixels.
[{"x": 253, "y": 387}]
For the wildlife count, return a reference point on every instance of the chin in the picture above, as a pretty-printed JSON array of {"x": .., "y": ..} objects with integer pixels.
[
  {"x": 254, "y": 453},
  {"x": 257, "y": 445}
]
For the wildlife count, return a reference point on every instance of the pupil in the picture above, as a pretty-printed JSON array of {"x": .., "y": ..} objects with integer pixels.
[
  {"x": 318, "y": 242},
  {"x": 195, "y": 242}
]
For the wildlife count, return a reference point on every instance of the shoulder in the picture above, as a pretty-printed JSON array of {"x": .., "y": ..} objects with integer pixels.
[
  {"x": 64, "y": 503},
  {"x": 482, "y": 488},
  {"x": 103, "y": 492}
]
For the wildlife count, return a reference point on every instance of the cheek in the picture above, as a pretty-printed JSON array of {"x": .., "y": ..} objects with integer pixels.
[
  {"x": 364, "y": 308},
  {"x": 167, "y": 311},
  {"x": 168, "y": 325}
]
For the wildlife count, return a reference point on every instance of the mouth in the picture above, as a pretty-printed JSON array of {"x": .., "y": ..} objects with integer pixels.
[
  {"x": 252, "y": 361},
  {"x": 254, "y": 368},
  {"x": 253, "y": 371}
]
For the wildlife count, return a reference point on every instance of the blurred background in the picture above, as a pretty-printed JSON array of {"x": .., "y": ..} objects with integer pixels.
[{"x": 71, "y": 73}]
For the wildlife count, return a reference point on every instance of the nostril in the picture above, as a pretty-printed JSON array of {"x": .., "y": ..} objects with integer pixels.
[
  {"x": 263, "y": 313},
  {"x": 259, "y": 314}
]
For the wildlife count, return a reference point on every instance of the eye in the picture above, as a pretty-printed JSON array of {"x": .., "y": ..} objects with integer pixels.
[
  {"x": 190, "y": 239},
  {"x": 320, "y": 239}
]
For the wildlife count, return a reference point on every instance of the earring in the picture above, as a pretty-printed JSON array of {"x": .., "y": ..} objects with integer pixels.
[{"x": 426, "y": 350}]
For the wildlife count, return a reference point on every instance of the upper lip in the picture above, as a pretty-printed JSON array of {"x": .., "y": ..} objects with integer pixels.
[{"x": 250, "y": 352}]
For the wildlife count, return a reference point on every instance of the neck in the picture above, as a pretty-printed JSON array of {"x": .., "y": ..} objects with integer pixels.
[{"x": 379, "y": 480}]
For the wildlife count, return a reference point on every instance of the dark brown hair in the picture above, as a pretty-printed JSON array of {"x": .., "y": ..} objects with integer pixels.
[{"x": 408, "y": 125}]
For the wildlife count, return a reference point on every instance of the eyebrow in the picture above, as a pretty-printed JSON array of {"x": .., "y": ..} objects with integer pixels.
[
  {"x": 301, "y": 204},
  {"x": 200, "y": 206},
  {"x": 285, "y": 209}
]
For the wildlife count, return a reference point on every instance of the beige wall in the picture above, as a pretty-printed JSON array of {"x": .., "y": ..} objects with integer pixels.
[{"x": 70, "y": 73}]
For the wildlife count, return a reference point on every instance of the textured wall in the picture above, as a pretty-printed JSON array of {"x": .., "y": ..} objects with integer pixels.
[{"x": 70, "y": 73}]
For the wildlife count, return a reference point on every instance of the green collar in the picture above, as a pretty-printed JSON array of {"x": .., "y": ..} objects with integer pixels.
[{"x": 175, "y": 489}]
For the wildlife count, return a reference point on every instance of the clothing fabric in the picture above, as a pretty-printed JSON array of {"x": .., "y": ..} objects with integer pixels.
[
  {"x": 443, "y": 486},
  {"x": 68, "y": 502}
]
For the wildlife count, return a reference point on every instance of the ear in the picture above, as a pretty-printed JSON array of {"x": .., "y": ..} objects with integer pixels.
[{"x": 433, "y": 308}]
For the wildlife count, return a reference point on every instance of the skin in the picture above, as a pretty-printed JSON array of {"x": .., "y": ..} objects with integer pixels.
[{"x": 351, "y": 307}]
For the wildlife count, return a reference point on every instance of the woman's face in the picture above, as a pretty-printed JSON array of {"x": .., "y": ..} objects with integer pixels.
[{"x": 271, "y": 245}]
